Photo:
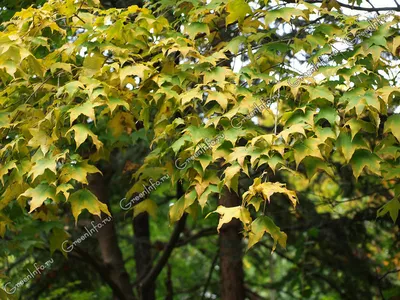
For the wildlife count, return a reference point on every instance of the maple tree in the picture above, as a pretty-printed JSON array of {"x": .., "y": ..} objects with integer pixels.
[{"x": 89, "y": 94}]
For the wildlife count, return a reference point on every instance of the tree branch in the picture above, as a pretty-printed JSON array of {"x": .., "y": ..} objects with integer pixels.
[
  {"x": 210, "y": 274},
  {"x": 156, "y": 270},
  {"x": 358, "y": 7},
  {"x": 100, "y": 268},
  {"x": 387, "y": 273},
  {"x": 202, "y": 233}
]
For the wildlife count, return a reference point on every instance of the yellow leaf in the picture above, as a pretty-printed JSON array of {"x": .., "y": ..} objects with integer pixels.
[
  {"x": 64, "y": 188},
  {"x": 228, "y": 213},
  {"x": 40, "y": 139},
  {"x": 267, "y": 189},
  {"x": 231, "y": 179},
  {"x": 178, "y": 209},
  {"x": 39, "y": 194},
  {"x": 85, "y": 108},
  {"x": 148, "y": 206},
  {"x": 64, "y": 66},
  {"x": 4, "y": 221},
  {"x": 296, "y": 128},
  {"x": 77, "y": 171},
  {"x": 41, "y": 165},
  {"x": 121, "y": 122},
  {"x": 136, "y": 70},
  {"x": 93, "y": 63},
  {"x": 5, "y": 168}
]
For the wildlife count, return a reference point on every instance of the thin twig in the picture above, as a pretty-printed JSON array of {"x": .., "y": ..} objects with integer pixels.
[
  {"x": 210, "y": 274},
  {"x": 358, "y": 7},
  {"x": 390, "y": 272}
]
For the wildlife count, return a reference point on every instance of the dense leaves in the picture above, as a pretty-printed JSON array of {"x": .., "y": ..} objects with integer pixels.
[{"x": 80, "y": 83}]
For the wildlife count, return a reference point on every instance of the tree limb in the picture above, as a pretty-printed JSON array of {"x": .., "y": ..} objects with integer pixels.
[
  {"x": 156, "y": 270},
  {"x": 358, "y": 7},
  {"x": 210, "y": 274}
]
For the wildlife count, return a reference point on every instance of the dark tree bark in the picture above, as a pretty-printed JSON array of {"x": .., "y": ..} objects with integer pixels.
[
  {"x": 169, "y": 285},
  {"x": 120, "y": 3},
  {"x": 230, "y": 244},
  {"x": 143, "y": 257},
  {"x": 108, "y": 243}
]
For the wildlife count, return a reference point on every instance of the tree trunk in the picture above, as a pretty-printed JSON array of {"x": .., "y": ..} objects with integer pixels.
[
  {"x": 143, "y": 257},
  {"x": 230, "y": 244},
  {"x": 108, "y": 242}
]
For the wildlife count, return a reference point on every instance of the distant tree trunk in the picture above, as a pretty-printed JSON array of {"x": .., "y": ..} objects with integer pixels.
[
  {"x": 230, "y": 243},
  {"x": 108, "y": 242},
  {"x": 143, "y": 257}
]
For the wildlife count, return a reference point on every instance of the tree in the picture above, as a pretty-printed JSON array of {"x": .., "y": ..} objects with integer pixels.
[{"x": 103, "y": 104}]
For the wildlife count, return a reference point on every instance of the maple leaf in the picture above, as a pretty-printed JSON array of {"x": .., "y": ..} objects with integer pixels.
[
  {"x": 39, "y": 194},
  {"x": 228, "y": 213},
  {"x": 263, "y": 225},
  {"x": 85, "y": 199}
]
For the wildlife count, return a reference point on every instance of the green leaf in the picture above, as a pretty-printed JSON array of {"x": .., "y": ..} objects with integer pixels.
[
  {"x": 57, "y": 238},
  {"x": 85, "y": 199},
  {"x": 348, "y": 146},
  {"x": 200, "y": 133},
  {"x": 73, "y": 87},
  {"x": 234, "y": 44},
  {"x": 364, "y": 158},
  {"x": 306, "y": 148},
  {"x": 64, "y": 66},
  {"x": 192, "y": 29},
  {"x": 77, "y": 171},
  {"x": 320, "y": 92},
  {"x": 263, "y": 225},
  {"x": 392, "y": 207},
  {"x": 64, "y": 188},
  {"x": 4, "y": 222},
  {"x": 217, "y": 74},
  {"x": 314, "y": 165},
  {"x": 272, "y": 161},
  {"x": 285, "y": 13},
  {"x": 327, "y": 113},
  {"x": 237, "y": 10},
  {"x": 356, "y": 125},
  {"x": 392, "y": 124},
  {"x": 82, "y": 132},
  {"x": 85, "y": 108},
  {"x": 93, "y": 63},
  {"x": 114, "y": 102},
  {"x": 179, "y": 143}
]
